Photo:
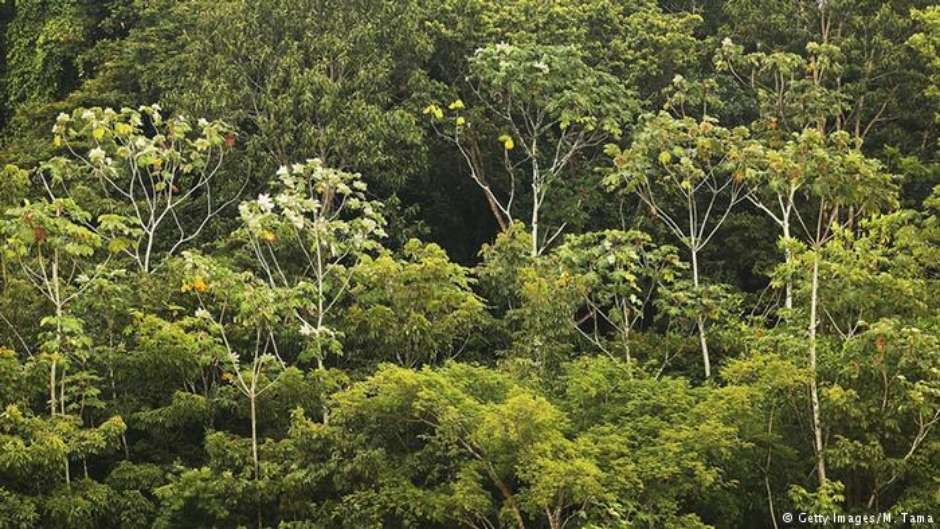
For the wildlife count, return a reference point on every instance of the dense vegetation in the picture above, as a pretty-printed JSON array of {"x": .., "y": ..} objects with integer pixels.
[{"x": 583, "y": 264}]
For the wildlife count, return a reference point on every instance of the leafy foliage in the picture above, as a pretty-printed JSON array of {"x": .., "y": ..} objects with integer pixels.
[{"x": 247, "y": 282}]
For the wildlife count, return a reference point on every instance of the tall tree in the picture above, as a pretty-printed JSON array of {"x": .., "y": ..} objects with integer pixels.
[
  {"x": 62, "y": 260},
  {"x": 690, "y": 174},
  {"x": 842, "y": 185},
  {"x": 242, "y": 314},
  {"x": 308, "y": 238},
  {"x": 158, "y": 172},
  {"x": 550, "y": 102}
]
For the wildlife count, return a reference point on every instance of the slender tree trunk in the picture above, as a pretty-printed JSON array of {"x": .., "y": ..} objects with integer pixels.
[
  {"x": 770, "y": 496},
  {"x": 787, "y": 255},
  {"x": 68, "y": 475},
  {"x": 147, "y": 253},
  {"x": 536, "y": 195},
  {"x": 494, "y": 208},
  {"x": 814, "y": 390},
  {"x": 554, "y": 518},
  {"x": 53, "y": 403},
  {"x": 52, "y": 387},
  {"x": 321, "y": 294},
  {"x": 58, "y": 333},
  {"x": 535, "y": 220},
  {"x": 476, "y": 167},
  {"x": 254, "y": 435},
  {"x": 127, "y": 449},
  {"x": 62, "y": 390},
  {"x": 701, "y": 338},
  {"x": 252, "y": 399},
  {"x": 626, "y": 330},
  {"x": 700, "y": 320}
]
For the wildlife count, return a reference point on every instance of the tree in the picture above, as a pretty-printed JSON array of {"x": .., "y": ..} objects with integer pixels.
[
  {"x": 842, "y": 185},
  {"x": 624, "y": 270},
  {"x": 641, "y": 44},
  {"x": 471, "y": 446},
  {"x": 525, "y": 348},
  {"x": 776, "y": 386},
  {"x": 499, "y": 266},
  {"x": 54, "y": 251},
  {"x": 160, "y": 172},
  {"x": 423, "y": 295},
  {"x": 44, "y": 48},
  {"x": 550, "y": 101},
  {"x": 690, "y": 174},
  {"x": 543, "y": 336},
  {"x": 242, "y": 314},
  {"x": 34, "y": 447},
  {"x": 308, "y": 238},
  {"x": 879, "y": 297}
]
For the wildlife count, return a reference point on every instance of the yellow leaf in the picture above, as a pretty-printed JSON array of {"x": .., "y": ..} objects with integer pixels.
[
  {"x": 460, "y": 121},
  {"x": 508, "y": 144},
  {"x": 456, "y": 105},
  {"x": 434, "y": 110}
]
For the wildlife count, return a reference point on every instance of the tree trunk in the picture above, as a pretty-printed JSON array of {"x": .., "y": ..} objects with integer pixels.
[
  {"x": 149, "y": 249},
  {"x": 52, "y": 398},
  {"x": 787, "y": 255},
  {"x": 68, "y": 476},
  {"x": 535, "y": 220},
  {"x": 477, "y": 168},
  {"x": 254, "y": 435},
  {"x": 814, "y": 390},
  {"x": 554, "y": 518},
  {"x": 626, "y": 330},
  {"x": 252, "y": 399},
  {"x": 58, "y": 333},
  {"x": 701, "y": 338},
  {"x": 770, "y": 496},
  {"x": 510, "y": 499},
  {"x": 700, "y": 320},
  {"x": 62, "y": 389}
]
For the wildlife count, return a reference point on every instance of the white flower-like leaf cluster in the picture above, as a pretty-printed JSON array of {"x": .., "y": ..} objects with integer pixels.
[{"x": 265, "y": 202}]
